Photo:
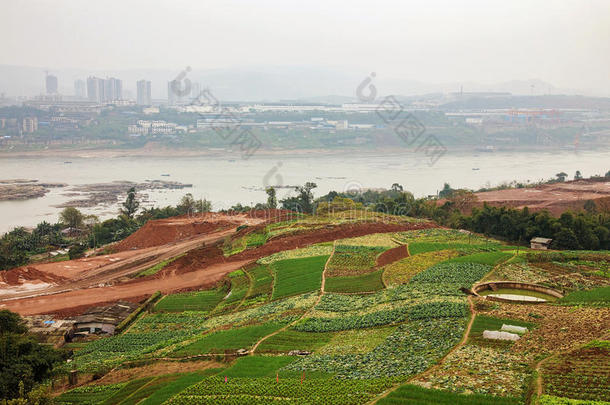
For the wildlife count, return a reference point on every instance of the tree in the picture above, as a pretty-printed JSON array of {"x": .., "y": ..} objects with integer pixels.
[
  {"x": 271, "y": 198},
  {"x": 11, "y": 322},
  {"x": 187, "y": 204},
  {"x": 590, "y": 206},
  {"x": 303, "y": 202},
  {"x": 607, "y": 174},
  {"x": 337, "y": 205},
  {"x": 23, "y": 361},
  {"x": 77, "y": 251},
  {"x": 203, "y": 205},
  {"x": 566, "y": 239},
  {"x": 71, "y": 217},
  {"x": 561, "y": 176},
  {"x": 396, "y": 187},
  {"x": 446, "y": 191},
  {"x": 131, "y": 204},
  {"x": 577, "y": 175},
  {"x": 463, "y": 200}
]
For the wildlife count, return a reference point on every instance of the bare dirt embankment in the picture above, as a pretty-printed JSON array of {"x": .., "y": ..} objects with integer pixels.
[
  {"x": 200, "y": 267},
  {"x": 392, "y": 255},
  {"x": 556, "y": 198}
]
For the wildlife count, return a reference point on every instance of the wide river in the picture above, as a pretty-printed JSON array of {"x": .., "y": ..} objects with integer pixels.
[{"x": 229, "y": 179}]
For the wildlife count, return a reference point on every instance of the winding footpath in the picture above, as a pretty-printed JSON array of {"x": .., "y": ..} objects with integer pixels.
[{"x": 322, "y": 292}]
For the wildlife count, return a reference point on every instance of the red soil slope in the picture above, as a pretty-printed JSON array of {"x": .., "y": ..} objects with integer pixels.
[
  {"x": 392, "y": 255},
  {"x": 556, "y": 198},
  {"x": 199, "y": 268}
]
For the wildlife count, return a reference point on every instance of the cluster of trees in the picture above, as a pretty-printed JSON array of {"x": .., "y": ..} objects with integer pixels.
[
  {"x": 588, "y": 229},
  {"x": 559, "y": 177},
  {"x": 24, "y": 362},
  {"x": 77, "y": 231},
  {"x": 19, "y": 244},
  {"x": 572, "y": 230}
]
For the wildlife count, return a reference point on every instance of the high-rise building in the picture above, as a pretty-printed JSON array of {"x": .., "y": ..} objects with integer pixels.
[
  {"x": 113, "y": 89},
  {"x": 80, "y": 89},
  {"x": 93, "y": 89},
  {"x": 144, "y": 92},
  {"x": 102, "y": 91},
  {"x": 51, "y": 84},
  {"x": 171, "y": 94}
]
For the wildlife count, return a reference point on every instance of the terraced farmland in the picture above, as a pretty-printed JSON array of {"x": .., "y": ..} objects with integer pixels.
[{"x": 393, "y": 332}]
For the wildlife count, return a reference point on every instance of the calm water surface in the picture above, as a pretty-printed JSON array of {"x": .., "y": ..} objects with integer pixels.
[{"x": 228, "y": 180}]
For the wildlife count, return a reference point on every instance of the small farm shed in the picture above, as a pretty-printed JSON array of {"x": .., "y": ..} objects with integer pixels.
[
  {"x": 540, "y": 243},
  {"x": 103, "y": 319}
]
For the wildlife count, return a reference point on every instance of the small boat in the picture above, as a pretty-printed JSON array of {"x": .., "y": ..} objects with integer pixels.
[
  {"x": 475, "y": 168},
  {"x": 67, "y": 162},
  {"x": 165, "y": 175}
]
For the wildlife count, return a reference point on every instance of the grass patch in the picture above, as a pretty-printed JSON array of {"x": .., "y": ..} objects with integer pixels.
[
  {"x": 158, "y": 267},
  {"x": 358, "y": 341},
  {"x": 354, "y": 284},
  {"x": 91, "y": 394},
  {"x": 416, "y": 248},
  {"x": 262, "y": 282},
  {"x": 231, "y": 339},
  {"x": 596, "y": 296},
  {"x": 490, "y": 258},
  {"x": 240, "y": 284},
  {"x": 402, "y": 271},
  {"x": 350, "y": 260},
  {"x": 146, "y": 390},
  {"x": 174, "y": 387},
  {"x": 415, "y": 395},
  {"x": 291, "y": 339},
  {"x": 483, "y": 322},
  {"x": 126, "y": 391},
  {"x": 258, "y": 366},
  {"x": 191, "y": 301},
  {"x": 297, "y": 276}
]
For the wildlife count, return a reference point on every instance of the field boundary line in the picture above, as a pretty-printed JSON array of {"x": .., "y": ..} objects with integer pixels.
[
  {"x": 439, "y": 362},
  {"x": 305, "y": 313}
]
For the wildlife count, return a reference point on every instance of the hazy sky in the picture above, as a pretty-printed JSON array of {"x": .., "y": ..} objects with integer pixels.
[{"x": 566, "y": 43}]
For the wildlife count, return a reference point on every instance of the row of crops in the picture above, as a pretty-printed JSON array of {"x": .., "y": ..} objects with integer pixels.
[
  {"x": 265, "y": 390},
  {"x": 583, "y": 373},
  {"x": 362, "y": 344}
]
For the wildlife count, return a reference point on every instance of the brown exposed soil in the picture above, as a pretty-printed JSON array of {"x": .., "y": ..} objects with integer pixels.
[
  {"x": 392, "y": 255},
  {"x": 201, "y": 266},
  {"x": 28, "y": 273},
  {"x": 558, "y": 328},
  {"x": 156, "y": 369},
  {"x": 556, "y": 197},
  {"x": 161, "y": 232}
]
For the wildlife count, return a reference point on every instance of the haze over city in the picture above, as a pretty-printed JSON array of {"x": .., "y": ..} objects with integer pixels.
[
  {"x": 250, "y": 202},
  {"x": 439, "y": 45}
]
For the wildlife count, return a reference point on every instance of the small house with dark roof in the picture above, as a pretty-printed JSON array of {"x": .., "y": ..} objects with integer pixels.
[
  {"x": 103, "y": 320},
  {"x": 540, "y": 243}
]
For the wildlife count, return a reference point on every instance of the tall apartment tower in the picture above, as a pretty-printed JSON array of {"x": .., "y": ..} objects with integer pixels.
[
  {"x": 144, "y": 92},
  {"x": 51, "y": 84},
  {"x": 172, "y": 97},
  {"x": 95, "y": 89},
  {"x": 80, "y": 89},
  {"x": 113, "y": 89}
]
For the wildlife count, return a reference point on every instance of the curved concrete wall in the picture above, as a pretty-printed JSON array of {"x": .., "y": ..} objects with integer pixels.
[{"x": 517, "y": 286}]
